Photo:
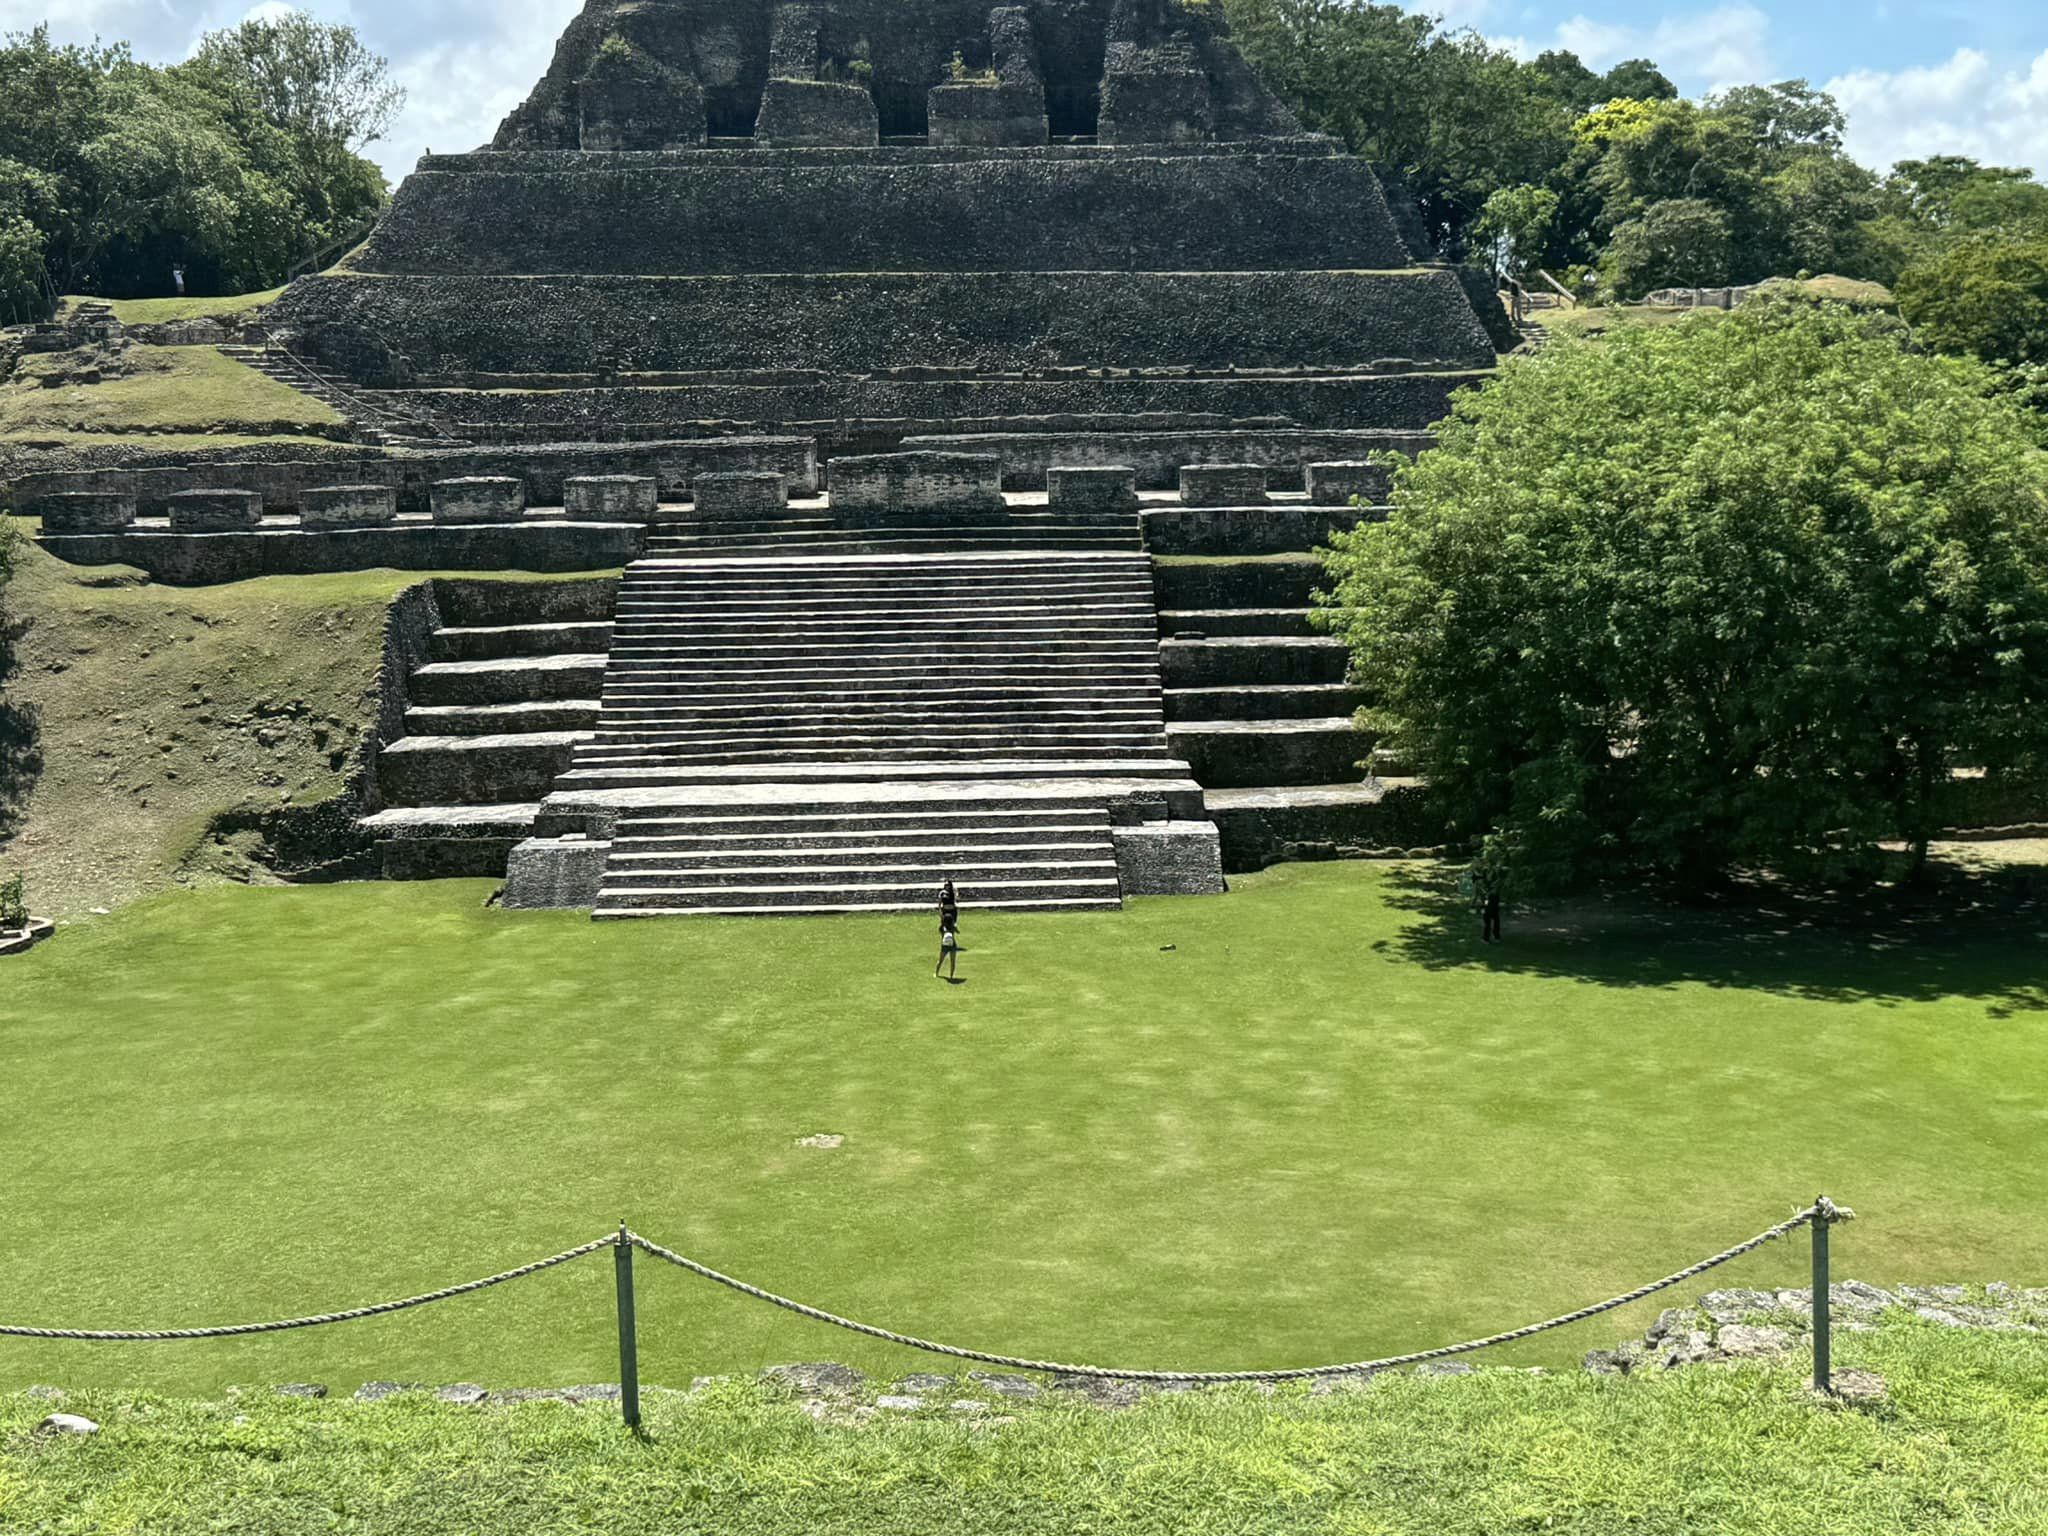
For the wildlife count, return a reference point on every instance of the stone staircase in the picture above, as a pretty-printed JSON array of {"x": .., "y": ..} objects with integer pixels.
[
  {"x": 812, "y": 530},
  {"x": 838, "y": 732},
  {"x": 374, "y": 421}
]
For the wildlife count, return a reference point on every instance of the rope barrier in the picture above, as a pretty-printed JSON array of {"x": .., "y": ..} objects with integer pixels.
[
  {"x": 318, "y": 1320},
  {"x": 1823, "y": 1210}
]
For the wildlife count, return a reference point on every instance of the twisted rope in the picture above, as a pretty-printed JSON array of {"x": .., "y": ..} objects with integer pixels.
[
  {"x": 1823, "y": 1210},
  {"x": 318, "y": 1320}
]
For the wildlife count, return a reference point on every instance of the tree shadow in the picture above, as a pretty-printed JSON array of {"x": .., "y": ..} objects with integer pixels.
[
  {"x": 1971, "y": 932},
  {"x": 21, "y": 754}
]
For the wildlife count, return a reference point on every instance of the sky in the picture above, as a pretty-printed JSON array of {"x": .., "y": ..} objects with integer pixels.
[{"x": 1916, "y": 77}]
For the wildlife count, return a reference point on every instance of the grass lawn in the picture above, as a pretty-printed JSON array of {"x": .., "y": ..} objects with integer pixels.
[
  {"x": 191, "y": 307},
  {"x": 188, "y": 390},
  {"x": 1300, "y": 1123},
  {"x": 1961, "y": 1446}
]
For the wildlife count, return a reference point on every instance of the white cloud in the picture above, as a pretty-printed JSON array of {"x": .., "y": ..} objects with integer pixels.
[
  {"x": 1965, "y": 105},
  {"x": 1701, "y": 50}
]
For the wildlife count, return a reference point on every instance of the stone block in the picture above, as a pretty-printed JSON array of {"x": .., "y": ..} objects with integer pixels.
[
  {"x": 214, "y": 511},
  {"x": 881, "y": 485},
  {"x": 1158, "y": 95},
  {"x": 87, "y": 512},
  {"x": 986, "y": 114},
  {"x": 554, "y": 873},
  {"x": 1222, "y": 485},
  {"x": 479, "y": 499},
  {"x": 348, "y": 506},
  {"x": 741, "y": 495},
  {"x": 797, "y": 114},
  {"x": 638, "y": 104},
  {"x": 1336, "y": 484},
  {"x": 1091, "y": 488},
  {"x": 611, "y": 498},
  {"x": 1169, "y": 858}
]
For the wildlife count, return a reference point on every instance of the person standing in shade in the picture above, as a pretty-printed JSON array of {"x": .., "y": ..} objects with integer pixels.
[
  {"x": 949, "y": 933},
  {"x": 1489, "y": 917},
  {"x": 178, "y": 280}
]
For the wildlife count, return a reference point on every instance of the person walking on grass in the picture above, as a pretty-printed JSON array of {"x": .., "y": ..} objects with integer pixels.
[{"x": 949, "y": 933}]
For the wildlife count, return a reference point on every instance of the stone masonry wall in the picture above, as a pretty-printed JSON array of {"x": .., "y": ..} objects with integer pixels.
[
  {"x": 1013, "y": 213},
  {"x": 1002, "y": 321}
]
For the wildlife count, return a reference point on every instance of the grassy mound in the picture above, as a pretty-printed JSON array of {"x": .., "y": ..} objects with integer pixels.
[
  {"x": 186, "y": 390},
  {"x": 227, "y": 307},
  {"x": 1960, "y": 1446},
  {"x": 1300, "y": 1123},
  {"x": 152, "y": 711}
]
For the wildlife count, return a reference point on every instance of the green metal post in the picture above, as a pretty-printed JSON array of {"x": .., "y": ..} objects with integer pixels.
[
  {"x": 629, "y": 1347},
  {"x": 1822, "y": 1372}
]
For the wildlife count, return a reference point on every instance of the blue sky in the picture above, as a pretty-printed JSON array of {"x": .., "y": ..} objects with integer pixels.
[{"x": 1916, "y": 76}]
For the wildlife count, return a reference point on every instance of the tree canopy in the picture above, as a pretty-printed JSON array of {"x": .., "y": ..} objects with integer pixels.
[
  {"x": 1740, "y": 589},
  {"x": 232, "y": 165}
]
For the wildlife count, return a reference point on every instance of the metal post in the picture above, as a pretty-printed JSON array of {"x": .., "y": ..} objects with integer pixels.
[
  {"x": 1824, "y": 1213},
  {"x": 629, "y": 1348}
]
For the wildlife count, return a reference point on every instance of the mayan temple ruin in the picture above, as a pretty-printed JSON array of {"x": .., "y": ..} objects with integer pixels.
[{"x": 962, "y": 391}]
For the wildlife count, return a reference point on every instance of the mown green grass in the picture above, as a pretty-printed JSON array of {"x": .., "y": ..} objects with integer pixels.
[
  {"x": 172, "y": 390},
  {"x": 1961, "y": 1445},
  {"x": 1299, "y": 1123},
  {"x": 191, "y": 307}
]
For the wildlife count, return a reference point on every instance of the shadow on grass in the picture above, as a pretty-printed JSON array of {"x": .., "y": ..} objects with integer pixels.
[
  {"x": 1969, "y": 933},
  {"x": 21, "y": 755}
]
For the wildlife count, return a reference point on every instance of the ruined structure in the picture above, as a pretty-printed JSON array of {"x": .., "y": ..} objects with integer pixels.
[{"x": 922, "y": 353}]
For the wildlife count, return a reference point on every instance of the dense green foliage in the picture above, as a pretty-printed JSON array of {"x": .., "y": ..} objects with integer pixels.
[
  {"x": 1739, "y": 589},
  {"x": 1959, "y": 1446},
  {"x": 232, "y": 164},
  {"x": 1314, "y": 1119},
  {"x": 1548, "y": 164},
  {"x": 1987, "y": 297}
]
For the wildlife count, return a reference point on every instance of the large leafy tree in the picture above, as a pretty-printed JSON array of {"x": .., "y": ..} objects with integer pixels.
[
  {"x": 1986, "y": 296},
  {"x": 231, "y": 164},
  {"x": 1742, "y": 589}
]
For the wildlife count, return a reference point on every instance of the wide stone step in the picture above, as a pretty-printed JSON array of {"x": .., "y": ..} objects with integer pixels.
[
  {"x": 852, "y": 843},
  {"x": 680, "y": 776},
  {"x": 924, "y": 867},
  {"x": 1120, "y": 714},
  {"x": 1264, "y": 701},
  {"x": 1235, "y": 754},
  {"x": 501, "y": 719},
  {"x": 474, "y": 770},
  {"x": 441, "y": 842},
  {"x": 1276, "y": 659},
  {"x": 875, "y": 904},
  {"x": 1235, "y": 621},
  {"x": 800, "y": 626},
  {"x": 507, "y": 681},
  {"x": 830, "y": 749},
  {"x": 766, "y": 652},
  {"x": 864, "y": 818},
  {"x": 493, "y": 642},
  {"x": 911, "y": 893},
  {"x": 681, "y": 732}
]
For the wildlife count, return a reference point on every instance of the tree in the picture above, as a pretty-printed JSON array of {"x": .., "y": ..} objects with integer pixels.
[
  {"x": 1987, "y": 297},
  {"x": 1679, "y": 243},
  {"x": 1514, "y": 227},
  {"x": 1737, "y": 590},
  {"x": 1636, "y": 80},
  {"x": 231, "y": 165}
]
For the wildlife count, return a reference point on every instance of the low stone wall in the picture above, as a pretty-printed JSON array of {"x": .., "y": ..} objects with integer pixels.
[
  {"x": 742, "y": 497},
  {"x": 611, "y": 498},
  {"x": 856, "y": 322},
  {"x": 877, "y": 487},
  {"x": 1247, "y": 530},
  {"x": 87, "y": 512},
  {"x": 478, "y": 499},
  {"x": 202, "y": 559},
  {"x": 348, "y": 506},
  {"x": 1158, "y": 457},
  {"x": 1251, "y": 659},
  {"x": 1091, "y": 488},
  {"x": 542, "y": 468},
  {"x": 554, "y": 874},
  {"x": 1246, "y": 583},
  {"x": 1232, "y": 754},
  {"x": 1169, "y": 858},
  {"x": 1260, "y": 827},
  {"x": 1222, "y": 485},
  {"x": 1338, "y": 484},
  {"x": 214, "y": 511},
  {"x": 816, "y": 113}
]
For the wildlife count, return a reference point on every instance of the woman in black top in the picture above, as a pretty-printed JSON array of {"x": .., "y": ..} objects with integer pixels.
[{"x": 949, "y": 932}]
